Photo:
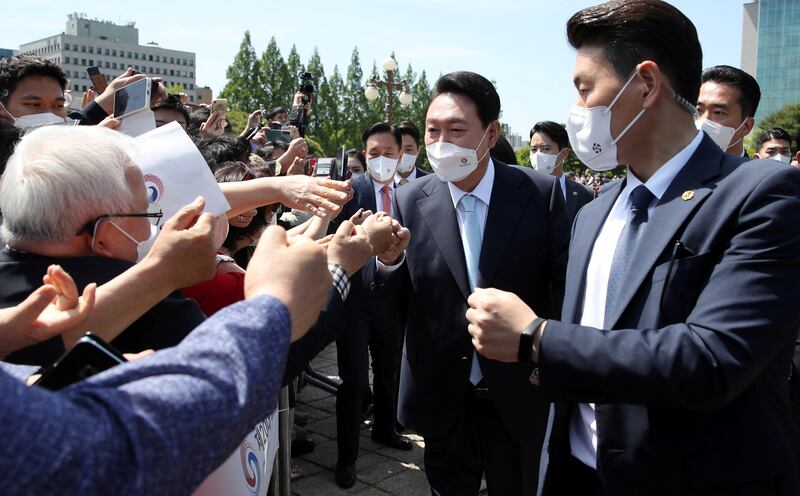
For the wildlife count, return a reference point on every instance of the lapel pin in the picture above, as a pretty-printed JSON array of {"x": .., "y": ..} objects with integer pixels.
[
  {"x": 687, "y": 195},
  {"x": 574, "y": 193}
]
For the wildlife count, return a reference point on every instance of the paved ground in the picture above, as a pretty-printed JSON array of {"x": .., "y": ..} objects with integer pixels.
[{"x": 381, "y": 470}]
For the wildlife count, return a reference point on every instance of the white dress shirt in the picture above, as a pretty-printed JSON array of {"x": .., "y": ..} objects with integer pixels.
[
  {"x": 379, "y": 195},
  {"x": 411, "y": 177},
  {"x": 583, "y": 428}
]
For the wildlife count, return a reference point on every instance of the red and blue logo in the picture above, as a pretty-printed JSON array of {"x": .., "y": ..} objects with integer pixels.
[
  {"x": 250, "y": 467},
  {"x": 155, "y": 188}
]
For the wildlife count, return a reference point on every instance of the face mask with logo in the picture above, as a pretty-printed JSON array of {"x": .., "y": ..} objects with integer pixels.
[
  {"x": 451, "y": 162},
  {"x": 142, "y": 247},
  {"x": 406, "y": 164},
  {"x": 781, "y": 158},
  {"x": 382, "y": 168},
  {"x": 589, "y": 132},
  {"x": 543, "y": 162},
  {"x": 721, "y": 135}
]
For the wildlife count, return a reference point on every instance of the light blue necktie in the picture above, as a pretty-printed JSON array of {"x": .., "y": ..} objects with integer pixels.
[{"x": 472, "y": 254}]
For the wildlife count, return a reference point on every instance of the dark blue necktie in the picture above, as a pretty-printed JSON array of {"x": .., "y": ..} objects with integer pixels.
[{"x": 640, "y": 200}]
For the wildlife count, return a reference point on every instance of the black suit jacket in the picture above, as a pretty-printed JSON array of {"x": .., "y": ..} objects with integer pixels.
[
  {"x": 164, "y": 325},
  {"x": 524, "y": 250},
  {"x": 691, "y": 385},
  {"x": 577, "y": 196}
]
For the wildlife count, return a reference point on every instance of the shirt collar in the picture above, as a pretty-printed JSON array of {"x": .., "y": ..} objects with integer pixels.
[
  {"x": 663, "y": 177},
  {"x": 483, "y": 191},
  {"x": 398, "y": 177},
  {"x": 378, "y": 186}
]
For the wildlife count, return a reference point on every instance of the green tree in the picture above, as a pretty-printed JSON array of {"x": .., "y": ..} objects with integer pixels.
[
  {"x": 317, "y": 70},
  {"x": 242, "y": 91},
  {"x": 175, "y": 89},
  {"x": 294, "y": 69},
  {"x": 786, "y": 118},
  {"x": 355, "y": 108},
  {"x": 272, "y": 77}
]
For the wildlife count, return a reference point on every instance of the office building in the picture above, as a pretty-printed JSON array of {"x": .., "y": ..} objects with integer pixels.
[
  {"x": 113, "y": 48},
  {"x": 771, "y": 51}
]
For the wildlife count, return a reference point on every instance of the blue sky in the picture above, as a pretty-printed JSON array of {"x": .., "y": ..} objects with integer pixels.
[{"x": 520, "y": 44}]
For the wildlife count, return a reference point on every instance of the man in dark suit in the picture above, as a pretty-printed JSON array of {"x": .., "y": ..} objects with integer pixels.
[
  {"x": 407, "y": 169},
  {"x": 672, "y": 358},
  {"x": 372, "y": 325},
  {"x": 549, "y": 150},
  {"x": 476, "y": 222}
]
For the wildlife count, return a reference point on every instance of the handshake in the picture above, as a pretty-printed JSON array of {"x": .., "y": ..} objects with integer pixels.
[{"x": 294, "y": 269}]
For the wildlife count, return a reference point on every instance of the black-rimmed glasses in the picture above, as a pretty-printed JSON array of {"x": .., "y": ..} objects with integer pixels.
[{"x": 153, "y": 215}]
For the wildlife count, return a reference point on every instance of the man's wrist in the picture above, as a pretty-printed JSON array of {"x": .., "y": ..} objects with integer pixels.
[{"x": 528, "y": 343}]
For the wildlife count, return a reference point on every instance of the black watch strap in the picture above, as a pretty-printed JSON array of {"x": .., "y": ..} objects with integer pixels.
[{"x": 526, "y": 341}]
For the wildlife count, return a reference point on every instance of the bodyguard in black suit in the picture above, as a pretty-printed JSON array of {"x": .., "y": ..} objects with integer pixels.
[
  {"x": 670, "y": 365},
  {"x": 549, "y": 150},
  {"x": 485, "y": 224},
  {"x": 373, "y": 325},
  {"x": 407, "y": 169}
]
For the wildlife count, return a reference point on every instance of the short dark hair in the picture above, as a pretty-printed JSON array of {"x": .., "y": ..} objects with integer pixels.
[
  {"x": 380, "y": 128},
  {"x": 223, "y": 149},
  {"x": 173, "y": 102},
  {"x": 554, "y": 131},
  {"x": 15, "y": 69},
  {"x": 475, "y": 87},
  {"x": 503, "y": 151},
  {"x": 275, "y": 111},
  {"x": 352, "y": 152},
  {"x": 749, "y": 91},
  {"x": 775, "y": 133},
  {"x": 408, "y": 128},
  {"x": 631, "y": 31}
]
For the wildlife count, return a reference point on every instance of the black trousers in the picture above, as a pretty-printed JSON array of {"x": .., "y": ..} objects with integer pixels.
[
  {"x": 353, "y": 350},
  {"x": 454, "y": 465}
]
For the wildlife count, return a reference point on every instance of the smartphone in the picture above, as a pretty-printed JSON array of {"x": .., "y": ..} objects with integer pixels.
[
  {"x": 279, "y": 135},
  {"x": 99, "y": 80},
  {"x": 340, "y": 165},
  {"x": 220, "y": 105},
  {"x": 89, "y": 356},
  {"x": 325, "y": 166},
  {"x": 132, "y": 98}
]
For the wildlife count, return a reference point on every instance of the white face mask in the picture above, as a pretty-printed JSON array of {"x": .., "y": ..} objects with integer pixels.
[
  {"x": 781, "y": 158},
  {"x": 451, "y": 162},
  {"x": 589, "y": 132},
  {"x": 38, "y": 120},
  {"x": 721, "y": 135},
  {"x": 406, "y": 164},
  {"x": 382, "y": 168},
  {"x": 543, "y": 162},
  {"x": 356, "y": 175},
  {"x": 142, "y": 247}
]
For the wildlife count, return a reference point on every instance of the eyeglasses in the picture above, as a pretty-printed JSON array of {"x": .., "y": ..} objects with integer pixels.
[{"x": 153, "y": 214}]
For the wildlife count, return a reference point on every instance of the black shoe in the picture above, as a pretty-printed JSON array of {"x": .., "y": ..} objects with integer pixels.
[
  {"x": 345, "y": 476},
  {"x": 302, "y": 447},
  {"x": 394, "y": 440}
]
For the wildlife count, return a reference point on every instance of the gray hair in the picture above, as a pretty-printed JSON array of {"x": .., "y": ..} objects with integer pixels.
[{"x": 60, "y": 178}]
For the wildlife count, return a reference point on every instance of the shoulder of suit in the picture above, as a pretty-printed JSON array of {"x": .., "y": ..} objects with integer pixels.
[
  {"x": 539, "y": 179},
  {"x": 415, "y": 188}
]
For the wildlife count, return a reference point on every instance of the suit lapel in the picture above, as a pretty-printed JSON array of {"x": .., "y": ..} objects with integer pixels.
[
  {"x": 593, "y": 217},
  {"x": 440, "y": 217},
  {"x": 668, "y": 216},
  {"x": 367, "y": 192},
  {"x": 506, "y": 207}
]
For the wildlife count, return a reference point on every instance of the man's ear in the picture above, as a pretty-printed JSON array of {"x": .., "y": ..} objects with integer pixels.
[
  {"x": 653, "y": 79},
  {"x": 494, "y": 134},
  {"x": 749, "y": 124},
  {"x": 99, "y": 245}
]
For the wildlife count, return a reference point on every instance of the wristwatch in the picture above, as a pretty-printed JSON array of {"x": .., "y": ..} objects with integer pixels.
[{"x": 526, "y": 341}]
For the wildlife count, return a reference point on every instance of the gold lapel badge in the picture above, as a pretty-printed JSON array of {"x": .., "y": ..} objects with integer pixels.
[{"x": 687, "y": 195}]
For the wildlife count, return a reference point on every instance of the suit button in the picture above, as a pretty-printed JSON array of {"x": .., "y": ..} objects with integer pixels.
[
  {"x": 465, "y": 359},
  {"x": 372, "y": 286}
]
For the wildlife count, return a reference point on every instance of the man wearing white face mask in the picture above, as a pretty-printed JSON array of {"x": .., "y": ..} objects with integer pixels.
[
  {"x": 675, "y": 327},
  {"x": 84, "y": 206},
  {"x": 726, "y": 107},
  {"x": 371, "y": 326},
  {"x": 549, "y": 150},
  {"x": 406, "y": 169},
  {"x": 774, "y": 144},
  {"x": 32, "y": 92},
  {"x": 475, "y": 222}
]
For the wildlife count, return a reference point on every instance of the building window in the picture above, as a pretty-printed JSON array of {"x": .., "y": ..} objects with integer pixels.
[
  {"x": 150, "y": 57},
  {"x": 191, "y": 86},
  {"x": 66, "y": 60},
  {"x": 114, "y": 53},
  {"x": 75, "y": 87},
  {"x": 191, "y": 98},
  {"x": 172, "y": 60},
  {"x": 185, "y": 87},
  {"x": 108, "y": 65},
  {"x": 84, "y": 88},
  {"x": 106, "y": 51},
  {"x": 66, "y": 47},
  {"x": 91, "y": 62},
  {"x": 172, "y": 72},
  {"x": 114, "y": 65},
  {"x": 91, "y": 49},
  {"x": 83, "y": 48},
  {"x": 191, "y": 62},
  {"x": 74, "y": 73},
  {"x": 83, "y": 61},
  {"x": 191, "y": 74},
  {"x": 158, "y": 58}
]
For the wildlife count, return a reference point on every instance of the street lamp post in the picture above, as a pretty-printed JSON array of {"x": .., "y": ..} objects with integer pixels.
[{"x": 371, "y": 92}]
